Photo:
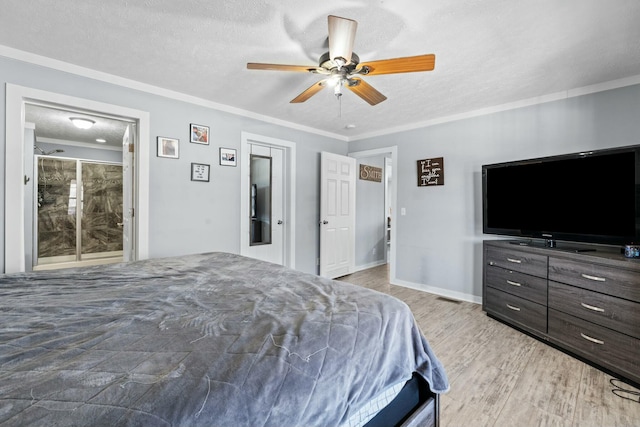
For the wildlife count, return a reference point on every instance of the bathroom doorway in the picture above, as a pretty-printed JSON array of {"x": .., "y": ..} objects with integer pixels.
[
  {"x": 133, "y": 151},
  {"x": 77, "y": 208}
]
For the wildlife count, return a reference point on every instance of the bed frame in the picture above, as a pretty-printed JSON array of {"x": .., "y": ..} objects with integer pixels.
[{"x": 415, "y": 406}]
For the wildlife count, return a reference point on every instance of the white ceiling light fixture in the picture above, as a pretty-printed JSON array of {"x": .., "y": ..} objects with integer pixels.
[
  {"x": 82, "y": 123},
  {"x": 101, "y": 140}
]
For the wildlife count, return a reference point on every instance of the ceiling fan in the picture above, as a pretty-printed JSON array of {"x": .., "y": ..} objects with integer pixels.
[{"x": 342, "y": 66}]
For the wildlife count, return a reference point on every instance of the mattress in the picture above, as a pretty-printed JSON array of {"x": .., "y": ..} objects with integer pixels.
[
  {"x": 209, "y": 339},
  {"x": 370, "y": 409}
]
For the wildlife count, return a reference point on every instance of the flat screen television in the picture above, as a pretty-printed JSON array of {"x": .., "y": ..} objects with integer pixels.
[{"x": 583, "y": 197}]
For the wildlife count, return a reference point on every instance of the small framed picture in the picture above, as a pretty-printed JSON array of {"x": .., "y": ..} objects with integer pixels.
[
  {"x": 227, "y": 156},
  {"x": 199, "y": 134},
  {"x": 200, "y": 172},
  {"x": 168, "y": 147}
]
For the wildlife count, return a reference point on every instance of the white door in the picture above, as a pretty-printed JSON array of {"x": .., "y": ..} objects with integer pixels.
[
  {"x": 266, "y": 205},
  {"x": 337, "y": 214},
  {"x": 127, "y": 195}
]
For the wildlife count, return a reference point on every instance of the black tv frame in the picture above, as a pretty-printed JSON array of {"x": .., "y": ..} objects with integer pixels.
[{"x": 551, "y": 236}]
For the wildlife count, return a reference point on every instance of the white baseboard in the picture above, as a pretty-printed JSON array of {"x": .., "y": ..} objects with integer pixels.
[
  {"x": 439, "y": 291},
  {"x": 368, "y": 266}
]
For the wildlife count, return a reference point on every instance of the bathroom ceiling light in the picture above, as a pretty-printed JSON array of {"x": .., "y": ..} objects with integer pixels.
[
  {"x": 101, "y": 140},
  {"x": 82, "y": 123}
]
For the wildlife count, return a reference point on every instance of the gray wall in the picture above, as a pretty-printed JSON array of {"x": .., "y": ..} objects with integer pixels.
[
  {"x": 186, "y": 216},
  {"x": 370, "y": 242},
  {"x": 439, "y": 239}
]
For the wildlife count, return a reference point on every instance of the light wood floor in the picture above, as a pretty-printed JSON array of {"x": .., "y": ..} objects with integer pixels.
[{"x": 501, "y": 377}]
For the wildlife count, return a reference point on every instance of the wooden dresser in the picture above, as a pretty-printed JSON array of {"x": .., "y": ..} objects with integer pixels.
[{"x": 585, "y": 301}]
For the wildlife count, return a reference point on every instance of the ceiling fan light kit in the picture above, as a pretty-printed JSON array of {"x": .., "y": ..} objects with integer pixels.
[{"x": 342, "y": 66}]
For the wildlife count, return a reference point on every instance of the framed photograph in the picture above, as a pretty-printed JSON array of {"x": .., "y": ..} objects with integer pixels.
[
  {"x": 168, "y": 147},
  {"x": 227, "y": 156},
  {"x": 199, "y": 134},
  {"x": 200, "y": 172}
]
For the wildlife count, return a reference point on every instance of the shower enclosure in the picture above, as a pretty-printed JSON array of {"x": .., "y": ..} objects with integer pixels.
[{"x": 78, "y": 218}]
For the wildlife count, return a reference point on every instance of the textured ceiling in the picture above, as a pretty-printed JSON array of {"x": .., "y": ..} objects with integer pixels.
[
  {"x": 54, "y": 125},
  {"x": 488, "y": 52}
]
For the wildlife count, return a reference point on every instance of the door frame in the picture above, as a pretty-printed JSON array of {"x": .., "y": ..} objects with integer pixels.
[
  {"x": 289, "y": 193},
  {"x": 393, "y": 150},
  {"x": 16, "y": 98}
]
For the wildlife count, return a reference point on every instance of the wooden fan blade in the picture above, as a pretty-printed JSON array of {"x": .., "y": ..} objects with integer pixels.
[
  {"x": 365, "y": 91},
  {"x": 308, "y": 93},
  {"x": 281, "y": 67},
  {"x": 342, "y": 33},
  {"x": 408, "y": 64}
]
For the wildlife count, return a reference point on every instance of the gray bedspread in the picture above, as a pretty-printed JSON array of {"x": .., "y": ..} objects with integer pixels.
[{"x": 201, "y": 340}]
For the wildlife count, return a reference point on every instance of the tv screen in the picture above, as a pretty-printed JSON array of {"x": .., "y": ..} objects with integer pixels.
[{"x": 584, "y": 197}]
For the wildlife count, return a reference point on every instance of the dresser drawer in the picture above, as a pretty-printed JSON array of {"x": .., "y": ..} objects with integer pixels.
[
  {"x": 523, "y": 285},
  {"x": 607, "y": 280},
  {"x": 611, "y": 312},
  {"x": 600, "y": 345},
  {"x": 533, "y": 264},
  {"x": 518, "y": 310}
]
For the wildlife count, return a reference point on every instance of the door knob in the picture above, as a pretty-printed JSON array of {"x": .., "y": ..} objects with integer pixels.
[
  {"x": 279, "y": 222},
  {"x": 325, "y": 222}
]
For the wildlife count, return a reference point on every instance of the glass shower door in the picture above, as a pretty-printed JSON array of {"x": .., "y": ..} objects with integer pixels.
[
  {"x": 56, "y": 210},
  {"x": 79, "y": 212},
  {"x": 101, "y": 219}
]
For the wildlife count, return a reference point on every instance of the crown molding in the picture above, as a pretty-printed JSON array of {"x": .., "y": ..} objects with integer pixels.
[{"x": 67, "y": 67}]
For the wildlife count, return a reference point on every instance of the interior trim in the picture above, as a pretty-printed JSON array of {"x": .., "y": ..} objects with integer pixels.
[
  {"x": 290, "y": 158},
  {"x": 55, "y": 64},
  {"x": 132, "y": 84},
  {"x": 16, "y": 97}
]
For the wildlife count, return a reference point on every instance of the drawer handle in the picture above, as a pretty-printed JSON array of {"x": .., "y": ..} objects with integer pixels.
[
  {"x": 512, "y": 283},
  {"x": 512, "y": 307},
  {"x": 516, "y": 261},
  {"x": 596, "y": 278},
  {"x": 592, "y": 307},
  {"x": 593, "y": 340}
]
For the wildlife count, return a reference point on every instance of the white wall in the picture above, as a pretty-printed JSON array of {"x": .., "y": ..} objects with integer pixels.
[
  {"x": 439, "y": 239},
  {"x": 186, "y": 216}
]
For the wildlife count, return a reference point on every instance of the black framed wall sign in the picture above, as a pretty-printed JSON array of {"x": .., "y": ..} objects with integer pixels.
[
  {"x": 431, "y": 172},
  {"x": 200, "y": 172}
]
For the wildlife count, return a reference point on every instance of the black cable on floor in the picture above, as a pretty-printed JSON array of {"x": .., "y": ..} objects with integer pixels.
[{"x": 622, "y": 391}]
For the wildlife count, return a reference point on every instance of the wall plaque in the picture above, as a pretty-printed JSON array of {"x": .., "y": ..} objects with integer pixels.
[
  {"x": 431, "y": 172},
  {"x": 370, "y": 173}
]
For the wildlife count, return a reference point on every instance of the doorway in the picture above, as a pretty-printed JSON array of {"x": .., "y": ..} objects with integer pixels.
[
  {"x": 19, "y": 182},
  {"x": 388, "y": 218},
  {"x": 267, "y": 199}
]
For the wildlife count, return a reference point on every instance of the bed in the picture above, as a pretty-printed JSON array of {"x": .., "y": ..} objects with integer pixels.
[{"x": 211, "y": 339}]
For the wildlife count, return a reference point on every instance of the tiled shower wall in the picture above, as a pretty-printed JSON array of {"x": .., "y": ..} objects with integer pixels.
[{"x": 101, "y": 207}]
